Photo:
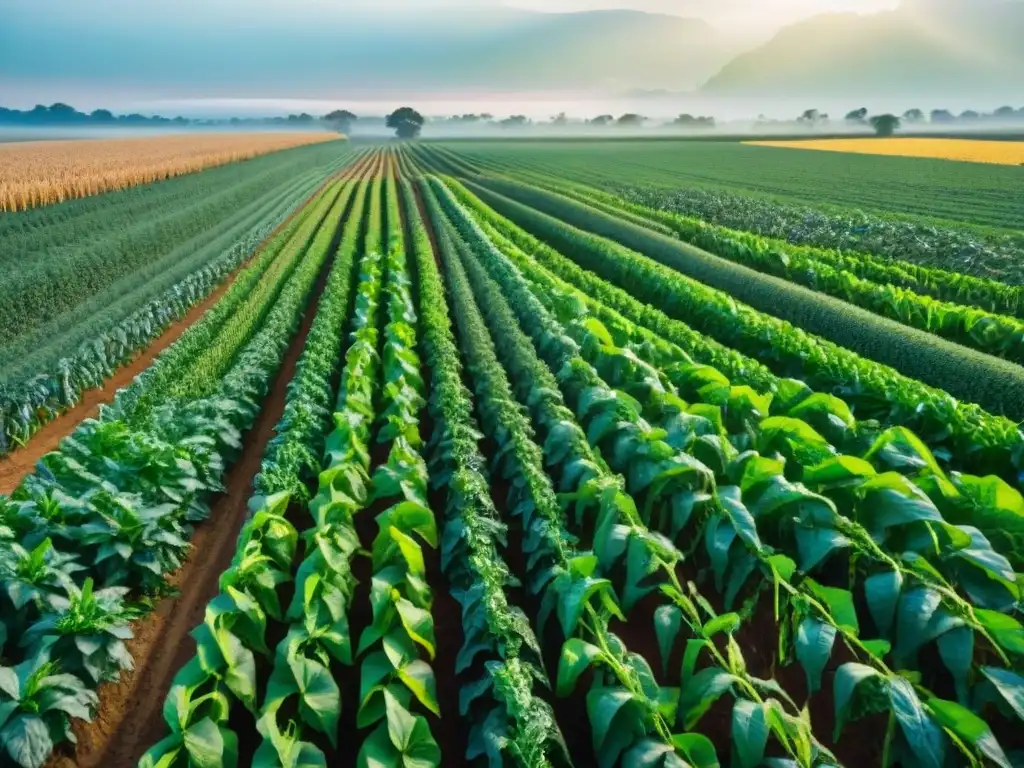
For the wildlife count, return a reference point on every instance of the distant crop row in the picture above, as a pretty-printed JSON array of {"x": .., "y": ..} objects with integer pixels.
[
  {"x": 90, "y": 283},
  {"x": 34, "y": 173}
]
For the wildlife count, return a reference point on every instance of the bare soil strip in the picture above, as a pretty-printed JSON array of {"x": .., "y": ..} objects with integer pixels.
[{"x": 130, "y": 715}]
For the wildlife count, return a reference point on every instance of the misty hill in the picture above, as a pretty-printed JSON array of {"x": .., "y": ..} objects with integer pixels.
[
  {"x": 321, "y": 52},
  {"x": 925, "y": 48}
]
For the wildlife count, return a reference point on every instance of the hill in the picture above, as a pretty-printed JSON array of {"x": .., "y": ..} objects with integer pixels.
[
  {"x": 925, "y": 48},
  {"x": 331, "y": 52}
]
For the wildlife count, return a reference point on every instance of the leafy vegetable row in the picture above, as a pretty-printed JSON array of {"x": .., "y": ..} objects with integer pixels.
[
  {"x": 957, "y": 259},
  {"x": 986, "y": 503},
  {"x": 564, "y": 582},
  {"x": 114, "y": 508},
  {"x": 504, "y": 701},
  {"x": 817, "y": 545},
  {"x": 842, "y": 276},
  {"x": 987, "y": 439}
]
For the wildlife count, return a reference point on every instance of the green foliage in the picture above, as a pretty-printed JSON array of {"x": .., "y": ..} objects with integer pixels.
[{"x": 218, "y": 222}]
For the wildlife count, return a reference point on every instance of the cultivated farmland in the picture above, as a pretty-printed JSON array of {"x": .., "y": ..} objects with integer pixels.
[
  {"x": 964, "y": 150},
  {"x": 461, "y": 455},
  {"x": 42, "y": 172}
]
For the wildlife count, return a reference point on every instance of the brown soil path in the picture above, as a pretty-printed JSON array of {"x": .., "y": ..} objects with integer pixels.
[
  {"x": 129, "y": 718},
  {"x": 20, "y": 462}
]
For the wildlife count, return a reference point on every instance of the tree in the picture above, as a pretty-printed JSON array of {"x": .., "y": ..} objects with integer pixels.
[
  {"x": 341, "y": 120},
  {"x": 857, "y": 116},
  {"x": 560, "y": 119},
  {"x": 515, "y": 121},
  {"x": 101, "y": 116},
  {"x": 969, "y": 114},
  {"x": 406, "y": 122},
  {"x": 631, "y": 119},
  {"x": 602, "y": 120},
  {"x": 1004, "y": 112},
  {"x": 913, "y": 116},
  {"x": 885, "y": 125},
  {"x": 811, "y": 118},
  {"x": 942, "y": 116}
]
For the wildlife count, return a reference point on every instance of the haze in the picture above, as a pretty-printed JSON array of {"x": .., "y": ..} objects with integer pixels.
[{"x": 534, "y": 57}]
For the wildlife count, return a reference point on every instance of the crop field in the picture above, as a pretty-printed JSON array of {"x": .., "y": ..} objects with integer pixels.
[
  {"x": 965, "y": 150},
  {"x": 42, "y": 172},
  {"x": 460, "y": 455}
]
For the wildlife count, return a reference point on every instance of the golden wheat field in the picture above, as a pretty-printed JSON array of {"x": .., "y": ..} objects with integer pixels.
[
  {"x": 965, "y": 150},
  {"x": 36, "y": 173}
]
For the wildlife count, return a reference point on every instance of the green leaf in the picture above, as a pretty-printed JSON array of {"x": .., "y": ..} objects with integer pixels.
[
  {"x": 848, "y": 677},
  {"x": 968, "y": 727},
  {"x": 27, "y": 740},
  {"x": 697, "y": 748},
  {"x": 814, "y": 641},
  {"x": 617, "y": 720},
  {"x": 1006, "y": 630},
  {"x": 956, "y": 648},
  {"x": 418, "y": 623},
  {"x": 204, "y": 742},
  {"x": 883, "y": 593},
  {"x": 419, "y": 678},
  {"x": 410, "y": 735},
  {"x": 667, "y": 622},
  {"x": 700, "y": 694},
  {"x": 923, "y": 736},
  {"x": 749, "y": 732},
  {"x": 839, "y": 603},
  {"x": 1010, "y": 686},
  {"x": 577, "y": 655}
]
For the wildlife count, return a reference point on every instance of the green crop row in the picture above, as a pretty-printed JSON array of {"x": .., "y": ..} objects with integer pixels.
[
  {"x": 875, "y": 388},
  {"x": 508, "y": 713},
  {"x": 90, "y": 347},
  {"x": 106, "y": 518},
  {"x": 945, "y": 719},
  {"x": 222, "y": 675},
  {"x": 987, "y": 503},
  {"x": 859, "y": 280}
]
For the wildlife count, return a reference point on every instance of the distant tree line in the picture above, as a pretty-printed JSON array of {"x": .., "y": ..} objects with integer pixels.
[{"x": 64, "y": 115}]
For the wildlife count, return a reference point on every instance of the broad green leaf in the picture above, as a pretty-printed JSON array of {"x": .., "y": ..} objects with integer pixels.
[
  {"x": 28, "y": 741},
  {"x": 577, "y": 655},
  {"x": 749, "y": 732},
  {"x": 848, "y": 677},
  {"x": 968, "y": 727},
  {"x": 883, "y": 593},
  {"x": 418, "y": 623},
  {"x": 839, "y": 603},
  {"x": 838, "y": 471},
  {"x": 700, "y": 694},
  {"x": 814, "y": 641},
  {"x": 410, "y": 735},
  {"x": 648, "y": 753},
  {"x": 924, "y": 737},
  {"x": 617, "y": 720},
  {"x": 697, "y": 748},
  {"x": 419, "y": 678},
  {"x": 1010, "y": 686},
  {"x": 1006, "y": 630},
  {"x": 956, "y": 648},
  {"x": 204, "y": 742},
  {"x": 667, "y": 622}
]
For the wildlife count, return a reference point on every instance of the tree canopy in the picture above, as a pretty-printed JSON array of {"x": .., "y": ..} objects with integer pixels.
[
  {"x": 341, "y": 118},
  {"x": 406, "y": 122},
  {"x": 885, "y": 125}
]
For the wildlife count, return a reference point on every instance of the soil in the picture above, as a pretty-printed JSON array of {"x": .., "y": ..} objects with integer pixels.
[
  {"x": 130, "y": 717},
  {"x": 22, "y": 461}
]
